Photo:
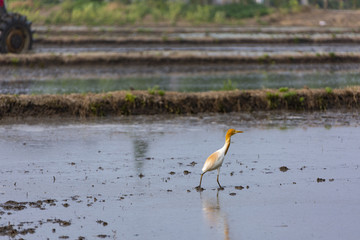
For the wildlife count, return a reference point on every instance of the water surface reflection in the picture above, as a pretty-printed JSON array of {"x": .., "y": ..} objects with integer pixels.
[
  {"x": 213, "y": 214},
  {"x": 186, "y": 82},
  {"x": 140, "y": 148}
]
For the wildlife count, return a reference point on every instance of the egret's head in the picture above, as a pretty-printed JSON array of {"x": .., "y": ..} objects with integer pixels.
[{"x": 231, "y": 132}]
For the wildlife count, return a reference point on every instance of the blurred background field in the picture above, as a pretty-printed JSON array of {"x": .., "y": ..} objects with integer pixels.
[{"x": 187, "y": 13}]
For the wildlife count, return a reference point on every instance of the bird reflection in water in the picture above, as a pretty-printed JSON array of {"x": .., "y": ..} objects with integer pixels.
[
  {"x": 214, "y": 216},
  {"x": 140, "y": 150}
]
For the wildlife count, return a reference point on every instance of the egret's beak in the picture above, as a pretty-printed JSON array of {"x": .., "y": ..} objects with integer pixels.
[{"x": 238, "y": 131}]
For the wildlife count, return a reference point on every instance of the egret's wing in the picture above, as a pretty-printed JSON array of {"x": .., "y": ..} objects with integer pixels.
[{"x": 210, "y": 162}]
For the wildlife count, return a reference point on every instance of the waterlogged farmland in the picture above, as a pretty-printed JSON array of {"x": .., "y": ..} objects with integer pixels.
[
  {"x": 75, "y": 167},
  {"x": 80, "y": 81},
  {"x": 284, "y": 177},
  {"x": 182, "y": 66}
]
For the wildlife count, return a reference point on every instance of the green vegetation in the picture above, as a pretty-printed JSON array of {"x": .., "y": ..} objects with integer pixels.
[
  {"x": 129, "y": 97},
  {"x": 283, "y": 89},
  {"x": 328, "y": 90},
  {"x": 228, "y": 86},
  {"x": 289, "y": 95},
  {"x": 332, "y": 55},
  {"x": 96, "y": 109},
  {"x": 273, "y": 99},
  {"x": 294, "y": 6},
  {"x": 264, "y": 58},
  {"x": 120, "y": 12},
  {"x": 15, "y": 60},
  {"x": 156, "y": 90}
]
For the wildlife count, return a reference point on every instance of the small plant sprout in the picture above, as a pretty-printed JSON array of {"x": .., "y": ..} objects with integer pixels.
[
  {"x": 156, "y": 90},
  {"x": 129, "y": 97},
  {"x": 328, "y": 90},
  {"x": 228, "y": 86},
  {"x": 283, "y": 89}
]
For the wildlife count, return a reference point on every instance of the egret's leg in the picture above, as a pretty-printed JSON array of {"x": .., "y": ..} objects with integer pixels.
[
  {"x": 201, "y": 180},
  {"x": 217, "y": 179}
]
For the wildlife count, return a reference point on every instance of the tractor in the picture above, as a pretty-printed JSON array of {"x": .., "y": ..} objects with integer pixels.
[{"x": 15, "y": 32}]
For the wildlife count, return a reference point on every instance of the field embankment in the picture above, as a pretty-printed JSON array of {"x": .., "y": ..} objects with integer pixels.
[
  {"x": 145, "y": 102},
  {"x": 173, "y": 57},
  {"x": 65, "y": 40}
]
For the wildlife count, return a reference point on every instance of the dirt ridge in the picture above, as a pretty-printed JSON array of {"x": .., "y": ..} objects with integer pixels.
[
  {"x": 171, "y": 57},
  {"x": 142, "y": 102},
  {"x": 195, "y": 41}
]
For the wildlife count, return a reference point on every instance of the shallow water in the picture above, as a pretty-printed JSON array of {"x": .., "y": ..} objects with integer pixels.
[
  {"x": 264, "y": 35},
  {"x": 186, "y": 82},
  {"x": 124, "y": 178},
  {"x": 238, "y": 49}
]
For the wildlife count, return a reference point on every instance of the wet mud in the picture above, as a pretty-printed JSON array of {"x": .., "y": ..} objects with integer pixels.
[
  {"x": 193, "y": 35},
  {"x": 284, "y": 169},
  {"x": 183, "y": 40},
  {"x": 125, "y": 164},
  {"x": 80, "y": 180},
  {"x": 241, "y": 49},
  {"x": 166, "y": 58},
  {"x": 143, "y": 102},
  {"x": 156, "y": 30}
]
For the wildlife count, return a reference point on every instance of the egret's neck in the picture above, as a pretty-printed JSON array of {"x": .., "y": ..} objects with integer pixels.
[{"x": 227, "y": 143}]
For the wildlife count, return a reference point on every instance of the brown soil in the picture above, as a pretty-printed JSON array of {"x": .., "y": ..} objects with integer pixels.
[
  {"x": 12, "y": 230},
  {"x": 196, "y": 41},
  {"x": 171, "y": 58},
  {"x": 141, "y": 102},
  {"x": 54, "y": 33},
  {"x": 320, "y": 180},
  {"x": 284, "y": 168}
]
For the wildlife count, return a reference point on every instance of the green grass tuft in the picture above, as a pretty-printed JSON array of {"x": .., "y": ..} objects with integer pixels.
[
  {"x": 156, "y": 90},
  {"x": 283, "y": 89},
  {"x": 228, "y": 86},
  {"x": 130, "y": 97},
  {"x": 328, "y": 90}
]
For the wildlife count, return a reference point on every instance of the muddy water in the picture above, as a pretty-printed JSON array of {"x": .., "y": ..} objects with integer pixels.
[
  {"x": 248, "y": 49},
  {"x": 134, "y": 178},
  {"x": 183, "y": 82},
  {"x": 156, "y": 30},
  {"x": 244, "y": 36}
]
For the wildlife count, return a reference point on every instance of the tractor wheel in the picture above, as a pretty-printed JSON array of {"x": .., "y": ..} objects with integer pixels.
[{"x": 15, "y": 33}]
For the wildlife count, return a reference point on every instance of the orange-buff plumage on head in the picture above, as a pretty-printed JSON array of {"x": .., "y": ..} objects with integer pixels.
[{"x": 215, "y": 160}]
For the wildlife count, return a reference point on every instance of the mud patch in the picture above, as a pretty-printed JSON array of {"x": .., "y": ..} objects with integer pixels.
[
  {"x": 319, "y": 180},
  {"x": 18, "y": 206},
  {"x": 284, "y": 169},
  {"x": 12, "y": 232}
]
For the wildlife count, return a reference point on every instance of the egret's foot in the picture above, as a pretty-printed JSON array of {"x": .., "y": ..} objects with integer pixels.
[
  {"x": 221, "y": 188},
  {"x": 199, "y": 189}
]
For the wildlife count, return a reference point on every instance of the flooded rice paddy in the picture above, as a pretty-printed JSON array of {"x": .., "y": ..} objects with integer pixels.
[
  {"x": 238, "y": 49},
  {"x": 84, "y": 79},
  {"x": 288, "y": 176}
]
